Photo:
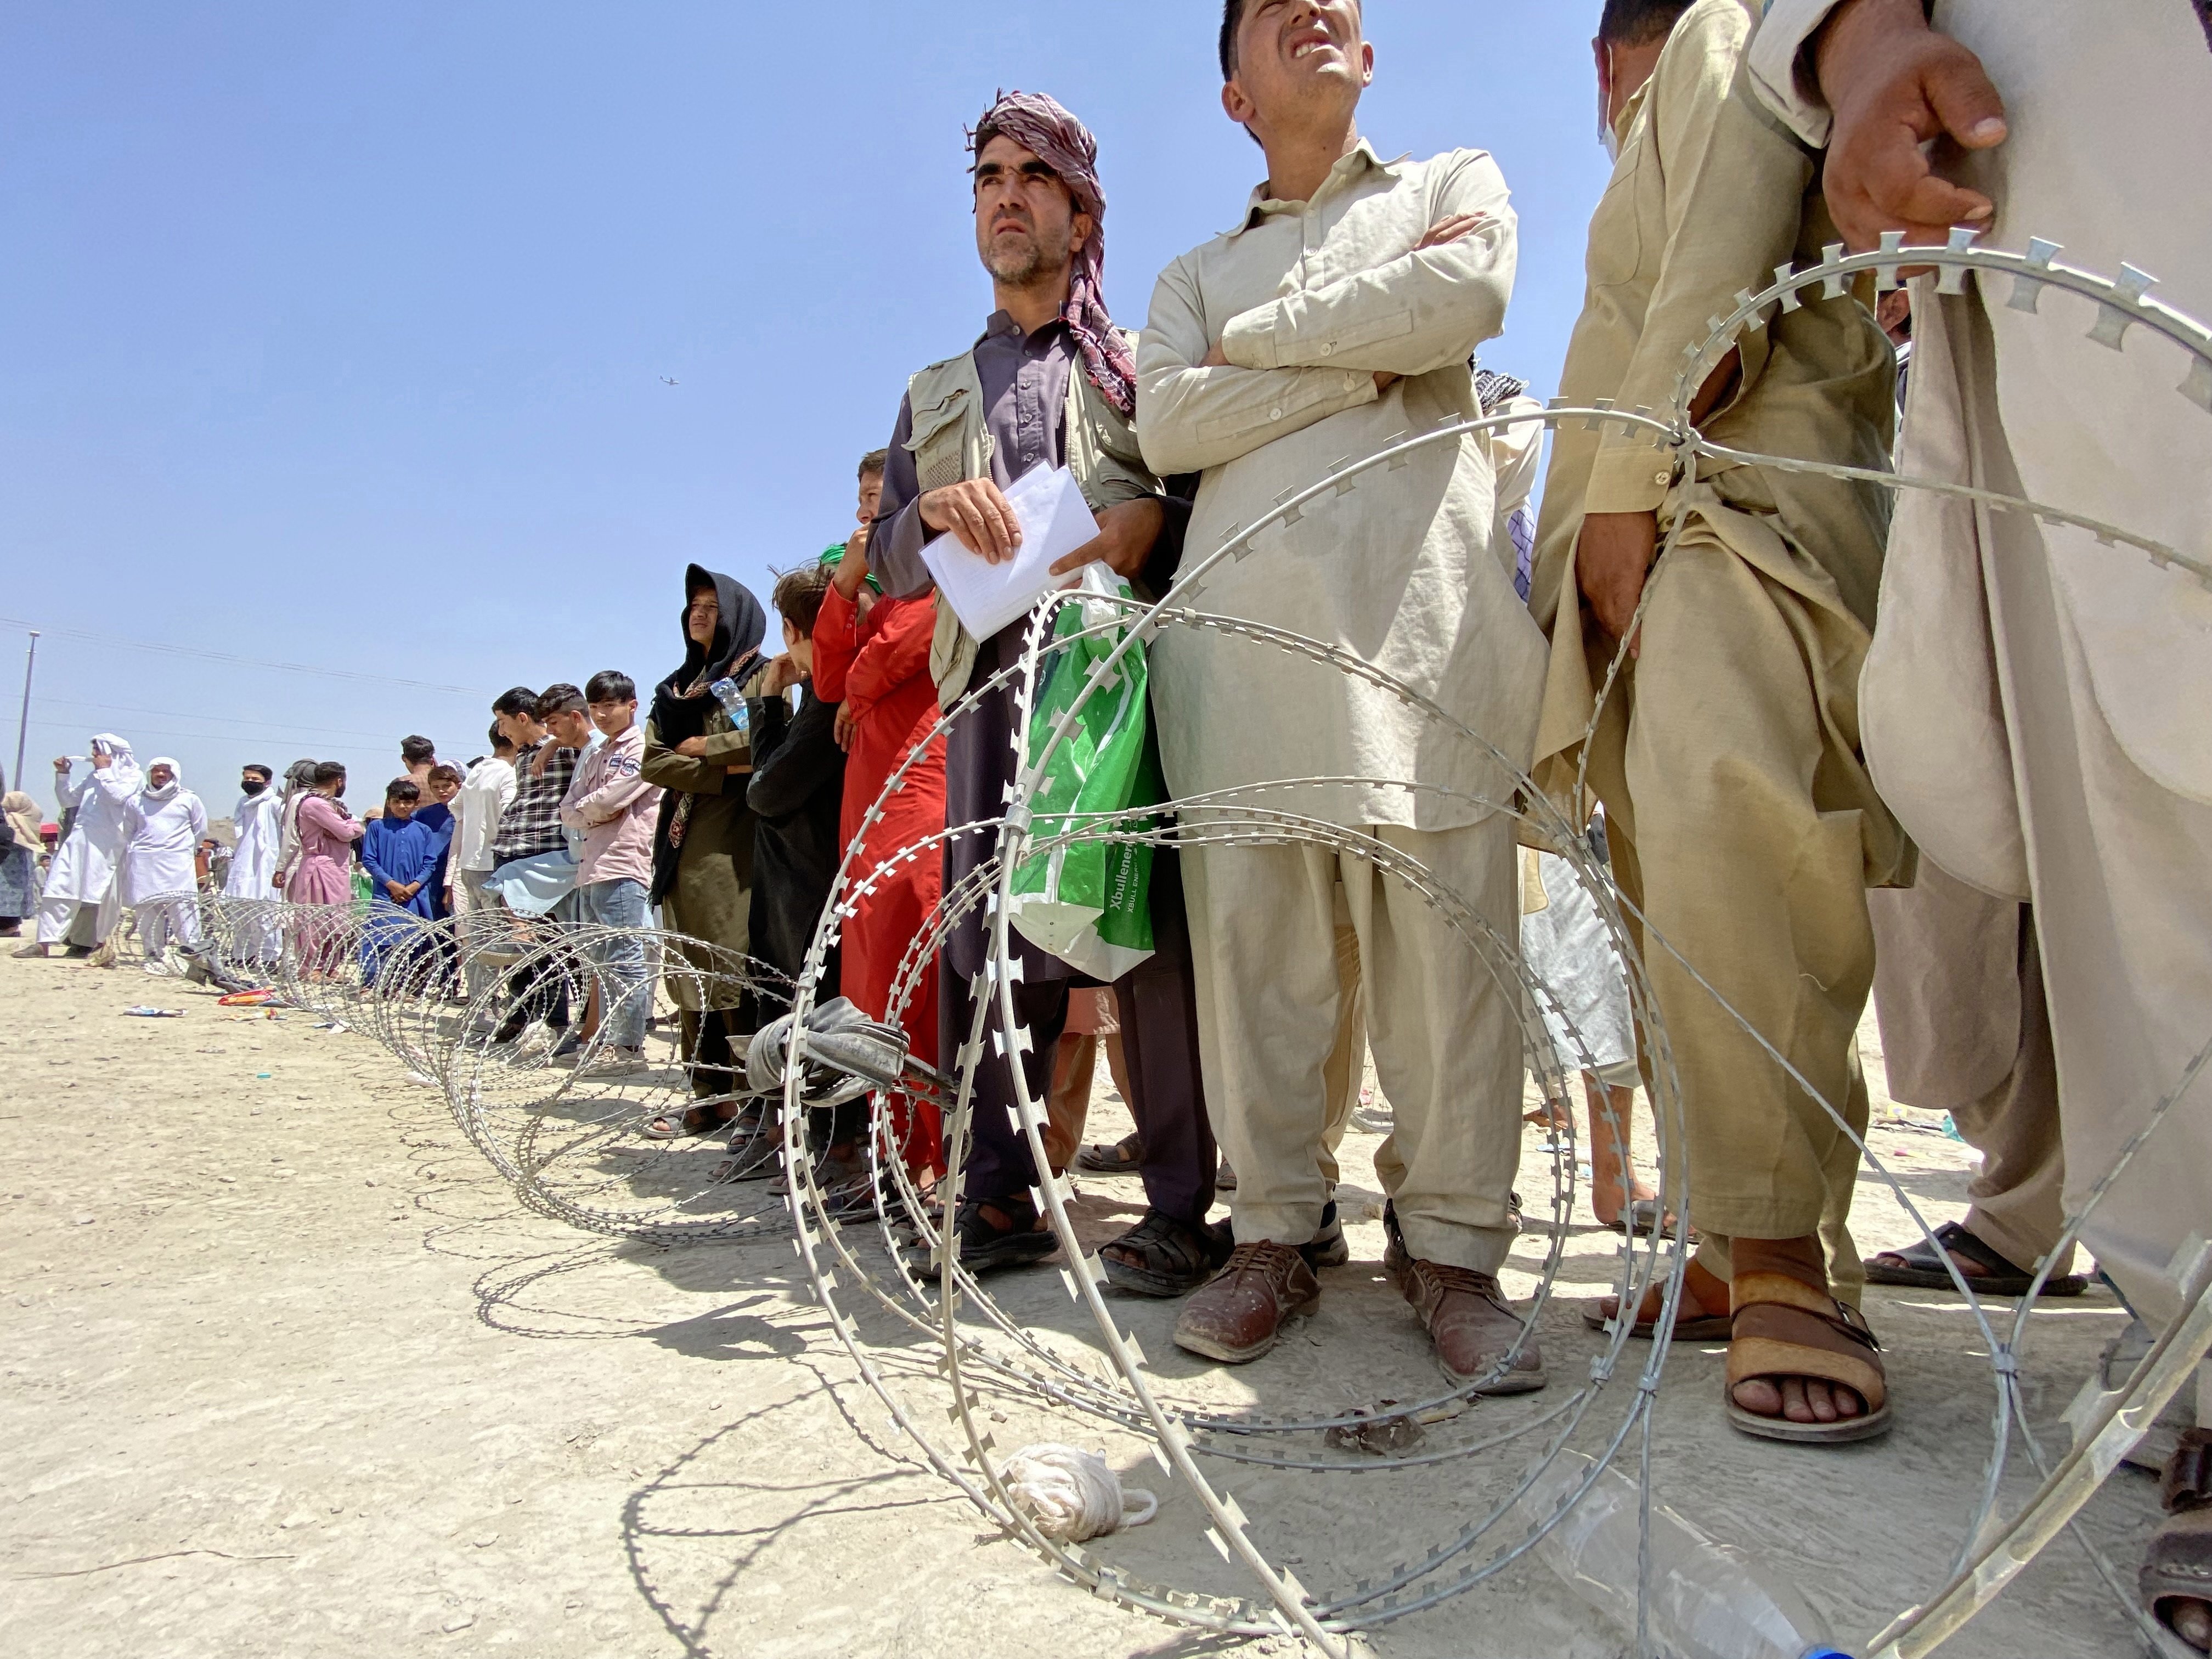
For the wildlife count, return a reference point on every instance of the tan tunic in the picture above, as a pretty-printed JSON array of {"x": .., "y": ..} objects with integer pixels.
[
  {"x": 2035, "y": 702},
  {"x": 1743, "y": 821},
  {"x": 1401, "y": 568},
  {"x": 1709, "y": 196}
]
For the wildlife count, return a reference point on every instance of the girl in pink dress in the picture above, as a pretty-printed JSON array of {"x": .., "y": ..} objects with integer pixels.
[{"x": 324, "y": 876}]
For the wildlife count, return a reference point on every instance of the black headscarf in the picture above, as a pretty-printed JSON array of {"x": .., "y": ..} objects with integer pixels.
[{"x": 680, "y": 702}]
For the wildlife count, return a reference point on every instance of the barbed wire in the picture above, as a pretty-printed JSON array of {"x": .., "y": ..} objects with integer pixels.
[{"x": 462, "y": 1004}]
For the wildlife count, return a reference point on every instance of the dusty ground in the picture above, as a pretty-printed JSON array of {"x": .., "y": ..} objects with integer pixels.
[{"x": 287, "y": 1372}]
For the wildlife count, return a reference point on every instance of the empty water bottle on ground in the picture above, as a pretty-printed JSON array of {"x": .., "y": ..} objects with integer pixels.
[
  {"x": 1709, "y": 1601},
  {"x": 731, "y": 696}
]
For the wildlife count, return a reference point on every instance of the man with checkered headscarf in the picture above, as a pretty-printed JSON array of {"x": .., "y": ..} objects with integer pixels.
[{"x": 1050, "y": 383}]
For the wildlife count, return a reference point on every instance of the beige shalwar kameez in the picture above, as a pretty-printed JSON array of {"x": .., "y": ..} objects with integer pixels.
[
  {"x": 1309, "y": 301},
  {"x": 1741, "y": 816},
  {"x": 1958, "y": 987},
  {"x": 2036, "y": 701}
]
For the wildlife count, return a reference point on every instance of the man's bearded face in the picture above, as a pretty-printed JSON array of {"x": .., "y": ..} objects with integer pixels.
[{"x": 1026, "y": 226}]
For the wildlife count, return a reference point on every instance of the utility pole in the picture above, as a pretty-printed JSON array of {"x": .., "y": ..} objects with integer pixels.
[{"x": 23, "y": 719}]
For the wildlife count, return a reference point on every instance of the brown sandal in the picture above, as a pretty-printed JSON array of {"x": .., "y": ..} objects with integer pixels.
[
  {"x": 1781, "y": 1326},
  {"x": 2179, "y": 1567}
]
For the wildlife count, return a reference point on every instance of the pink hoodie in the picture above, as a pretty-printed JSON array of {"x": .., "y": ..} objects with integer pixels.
[{"x": 613, "y": 809}]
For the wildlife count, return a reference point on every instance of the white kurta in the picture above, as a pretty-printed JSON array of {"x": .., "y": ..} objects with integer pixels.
[
  {"x": 258, "y": 821},
  {"x": 84, "y": 864},
  {"x": 2034, "y": 702},
  {"x": 164, "y": 835}
]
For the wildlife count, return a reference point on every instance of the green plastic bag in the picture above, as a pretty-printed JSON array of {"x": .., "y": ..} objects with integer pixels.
[{"x": 1089, "y": 901}]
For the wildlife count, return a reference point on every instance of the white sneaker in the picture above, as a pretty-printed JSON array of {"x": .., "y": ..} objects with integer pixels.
[
  {"x": 613, "y": 1062},
  {"x": 158, "y": 967}
]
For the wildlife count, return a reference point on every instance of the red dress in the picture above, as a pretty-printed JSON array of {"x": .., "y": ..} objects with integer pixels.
[{"x": 878, "y": 668}]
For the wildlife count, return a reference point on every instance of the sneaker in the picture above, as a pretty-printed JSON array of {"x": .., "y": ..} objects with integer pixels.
[
  {"x": 565, "y": 1051},
  {"x": 613, "y": 1062},
  {"x": 535, "y": 1039}
]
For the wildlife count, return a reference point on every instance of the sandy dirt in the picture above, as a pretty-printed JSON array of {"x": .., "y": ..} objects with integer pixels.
[{"x": 287, "y": 1372}]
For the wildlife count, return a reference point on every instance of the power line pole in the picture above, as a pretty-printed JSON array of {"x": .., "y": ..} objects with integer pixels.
[{"x": 23, "y": 719}]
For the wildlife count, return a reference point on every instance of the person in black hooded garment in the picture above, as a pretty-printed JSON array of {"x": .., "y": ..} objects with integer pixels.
[{"x": 702, "y": 846}]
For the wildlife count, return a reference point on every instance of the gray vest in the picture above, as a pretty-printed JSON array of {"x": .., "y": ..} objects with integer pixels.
[{"x": 951, "y": 444}]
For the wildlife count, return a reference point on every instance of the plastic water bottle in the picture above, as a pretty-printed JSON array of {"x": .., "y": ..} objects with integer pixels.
[
  {"x": 1707, "y": 1600},
  {"x": 731, "y": 696}
]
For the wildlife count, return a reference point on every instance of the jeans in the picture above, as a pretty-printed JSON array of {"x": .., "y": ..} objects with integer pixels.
[{"x": 625, "y": 991}]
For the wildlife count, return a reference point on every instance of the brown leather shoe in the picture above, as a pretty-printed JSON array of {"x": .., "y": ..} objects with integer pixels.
[
  {"x": 1468, "y": 1319},
  {"x": 1235, "y": 1315}
]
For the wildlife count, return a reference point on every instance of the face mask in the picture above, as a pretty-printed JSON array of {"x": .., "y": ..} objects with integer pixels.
[{"x": 252, "y": 786}]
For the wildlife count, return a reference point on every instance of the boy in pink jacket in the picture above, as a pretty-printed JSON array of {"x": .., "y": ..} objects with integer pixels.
[{"x": 613, "y": 809}]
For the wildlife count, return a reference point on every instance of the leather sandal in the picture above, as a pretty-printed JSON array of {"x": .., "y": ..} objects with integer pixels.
[
  {"x": 2178, "y": 1567},
  {"x": 1018, "y": 1236},
  {"x": 1781, "y": 1326},
  {"x": 1126, "y": 1156},
  {"x": 1922, "y": 1268},
  {"x": 1171, "y": 1257}
]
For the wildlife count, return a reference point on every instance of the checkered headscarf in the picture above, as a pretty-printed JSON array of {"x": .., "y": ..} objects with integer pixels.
[{"x": 1041, "y": 126}]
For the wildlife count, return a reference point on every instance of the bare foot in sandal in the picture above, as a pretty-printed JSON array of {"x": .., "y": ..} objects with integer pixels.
[
  {"x": 1614, "y": 1190},
  {"x": 1701, "y": 1316},
  {"x": 1802, "y": 1366}
]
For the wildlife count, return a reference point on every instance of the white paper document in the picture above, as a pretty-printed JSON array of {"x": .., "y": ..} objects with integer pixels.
[{"x": 1055, "y": 520}]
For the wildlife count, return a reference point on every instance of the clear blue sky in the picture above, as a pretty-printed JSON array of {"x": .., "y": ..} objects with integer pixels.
[{"x": 334, "y": 334}]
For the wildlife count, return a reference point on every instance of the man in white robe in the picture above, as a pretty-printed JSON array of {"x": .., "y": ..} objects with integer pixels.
[
  {"x": 83, "y": 874},
  {"x": 2034, "y": 702},
  {"x": 158, "y": 882},
  {"x": 257, "y": 819}
]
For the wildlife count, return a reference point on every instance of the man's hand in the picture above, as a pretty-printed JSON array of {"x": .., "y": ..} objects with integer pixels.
[
  {"x": 1127, "y": 532},
  {"x": 1894, "y": 84},
  {"x": 276, "y": 880},
  {"x": 61, "y": 763},
  {"x": 1612, "y": 559},
  {"x": 544, "y": 755},
  {"x": 843, "y": 730},
  {"x": 692, "y": 749},
  {"x": 395, "y": 892},
  {"x": 852, "y": 572},
  {"x": 780, "y": 676},
  {"x": 978, "y": 514}
]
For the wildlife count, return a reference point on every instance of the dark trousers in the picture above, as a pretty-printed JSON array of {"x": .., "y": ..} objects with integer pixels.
[
  {"x": 1158, "y": 1008},
  {"x": 706, "y": 1051}
]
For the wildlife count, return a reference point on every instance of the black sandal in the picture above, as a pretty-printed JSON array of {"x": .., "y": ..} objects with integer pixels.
[
  {"x": 986, "y": 1246},
  {"x": 1922, "y": 1268},
  {"x": 1173, "y": 1257},
  {"x": 756, "y": 1147}
]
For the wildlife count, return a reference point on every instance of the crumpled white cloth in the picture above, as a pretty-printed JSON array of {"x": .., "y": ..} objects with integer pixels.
[{"x": 1070, "y": 1494}]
